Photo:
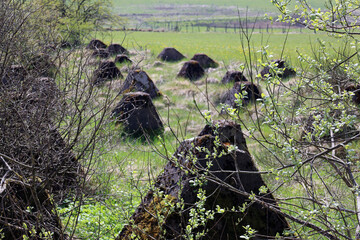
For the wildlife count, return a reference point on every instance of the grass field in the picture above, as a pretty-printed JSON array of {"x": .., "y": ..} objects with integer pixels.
[
  {"x": 124, "y": 174},
  {"x": 222, "y": 47},
  {"x": 147, "y": 14},
  {"x": 126, "y": 171},
  {"x": 143, "y": 6}
]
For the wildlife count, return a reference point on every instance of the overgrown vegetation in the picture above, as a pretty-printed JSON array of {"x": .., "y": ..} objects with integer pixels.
[
  {"x": 303, "y": 134},
  {"x": 50, "y": 121}
]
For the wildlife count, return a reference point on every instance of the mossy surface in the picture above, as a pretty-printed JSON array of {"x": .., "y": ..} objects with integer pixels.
[{"x": 148, "y": 224}]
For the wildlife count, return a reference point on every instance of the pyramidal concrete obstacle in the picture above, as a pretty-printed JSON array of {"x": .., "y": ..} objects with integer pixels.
[
  {"x": 138, "y": 115},
  {"x": 233, "y": 76},
  {"x": 191, "y": 70},
  {"x": 122, "y": 58},
  {"x": 249, "y": 91},
  {"x": 287, "y": 71},
  {"x": 170, "y": 55},
  {"x": 107, "y": 70},
  {"x": 215, "y": 165},
  {"x": 138, "y": 80},
  {"x": 205, "y": 61},
  {"x": 96, "y": 44},
  {"x": 115, "y": 49}
]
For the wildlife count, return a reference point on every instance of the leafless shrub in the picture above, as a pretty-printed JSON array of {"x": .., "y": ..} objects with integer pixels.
[{"x": 50, "y": 120}]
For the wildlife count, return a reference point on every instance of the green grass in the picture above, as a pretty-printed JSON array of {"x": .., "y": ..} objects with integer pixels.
[
  {"x": 219, "y": 46},
  {"x": 166, "y": 15},
  {"x": 124, "y": 173},
  {"x": 142, "y": 6}
]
